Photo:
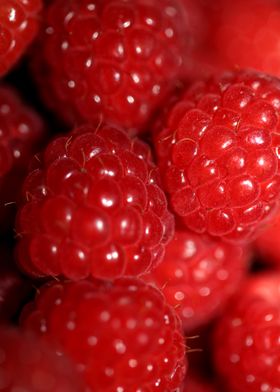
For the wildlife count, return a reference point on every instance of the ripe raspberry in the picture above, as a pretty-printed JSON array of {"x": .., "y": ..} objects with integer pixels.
[
  {"x": 21, "y": 132},
  {"x": 198, "y": 275},
  {"x": 18, "y": 26},
  {"x": 94, "y": 208},
  {"x": 246, "y": 341},
  {"x": 13, "y": 287},
  {"x": 123, "y": 336},
  {"x": 115, "y": 60},
  {"x": 267, "y": 244},
  {"x": 247, "y": 39},
  {"x": 28, "y": 364},
  {"x": 218, "y": 151},
  {"x": 195, "y": 383}
]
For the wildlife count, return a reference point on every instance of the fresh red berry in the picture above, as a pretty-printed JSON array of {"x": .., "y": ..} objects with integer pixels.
[
  {"x": 21, "y": 133},
  {"x": 94, "y": 208},
  {"x": 198, "y": 276},
  {"x": 218, "y": 150},
  {"x": 30, "y": 365},
  {"x": 19, "y": 23},
  {"x": 268, "y": 245},
  {"x": 115, "y": 60},
  {"x": 195, "y": 383},
  {"x": 123, "y": 336},
  {"x": 246, "y": 341},
  {"x": 247, "y": 39}
]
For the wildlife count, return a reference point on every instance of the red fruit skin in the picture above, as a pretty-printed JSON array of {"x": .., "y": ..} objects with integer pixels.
[
  {"x": 120, "y": 335},
  {"x": 115, "y": 61},
  {"x": 29, "y": 364},
  {"x": 22, "y": 133},
  {"x": 246, "y": 339},
  {"x": 244, "y": 38},
  {"x": 196, "y": 383},
  {"x": 267, "y": 244},
  {"x": 218, "y": 153},
  {"x": 199, "y": 275},
  {"x": 94, "y": 208},
  {"x": 19, "y": 25}
]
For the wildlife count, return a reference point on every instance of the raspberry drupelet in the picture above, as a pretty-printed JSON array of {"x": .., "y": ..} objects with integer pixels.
[
  {"x": 198, "y": 276},
  {"x": 19, "y": 24},
  {"x": 31, "y": 365},
  {"x": 21, "y": 132},
  {"x": 113, "y": 60},
  {"x": 218, "y": 150},
  {"x": 246, "y": 340},
  {"x": 94, "y": 208},
  {"x": 122, "y": 335}
]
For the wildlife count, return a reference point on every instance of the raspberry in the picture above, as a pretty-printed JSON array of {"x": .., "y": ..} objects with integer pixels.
[
  {"x": 13, "y": 287},
  {"x": 195, "y": 383},
  {"x": 267, "y": 244},
  {"x": 246, "y": 341},
  {"x": 123, "y": 336},
  {"x": 19, "y": 22},
  {"x": 21, "y": 133},
  {"x": 115, "y": 61},
  {"x": 94, "y": 208},
  {"x": 28, "y": 364},
  {"x": 198, "y": 275},
  {"x": 218, "y": 151},
  {"x": 245, "y": 38}
]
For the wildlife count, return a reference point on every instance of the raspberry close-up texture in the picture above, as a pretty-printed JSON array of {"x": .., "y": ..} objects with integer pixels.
[
  {"x": 19, "y": 24},
  {"x": 115, "y": 60},
  {"x": 94, "y": 208},
  {"x": 122, "y": 335},
  {"x": 218, "y": 150}
]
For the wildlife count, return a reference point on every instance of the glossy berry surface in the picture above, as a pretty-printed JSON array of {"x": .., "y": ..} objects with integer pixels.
[
  {"x": 198, "y": 276},
  {"x": 123, "y": 336},
  {"x": 94, "y": 208},
  {"x": 247, "y": 39},
  {"x": 246, "y": 341},
  {"x": 267, "y": 244},
  {"x": 218, "y": 151},
  {"x": 28, "y": 364},
  {"x": 114, "y": 61},
  {"x": 21, "y": 133},
  {"x": 19, "y": 24}
]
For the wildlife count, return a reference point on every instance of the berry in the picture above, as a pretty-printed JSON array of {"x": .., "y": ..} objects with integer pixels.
[
  {"x": 28, "y": 364},
  {"x": 218, "y": 152},
  {"x": 115, "y": 61},
  {"x": 94, "y": 208},
  {"x": 195, "y": 383},
  {"x": 19, "y": 22},
  {"x": 247, "y": 39},
  {"x": 246, "y": 341},
  {"x": 198, "y": 275},
  {"x": 21, "y": 133},
  {"x": 123, "y": 336},
  {"x": 267, "y": 244},
  {"x": 13, "y": 287}
]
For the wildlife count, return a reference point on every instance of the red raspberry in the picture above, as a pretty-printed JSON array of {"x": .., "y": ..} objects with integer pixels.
[
  {"x": 115, "y": 60},
  {"x": 218, "y": 151},
  {"x": 245, "y": 38},
  {"x": 94, "y": 208},
  {"x": 195, "y": 383},
  {"x": 13, "y": 287},
  {"x": 246, "y": 341},
  {"x": 21, "y": 132},
  {"x": 268, "y": 244},
  {"x": 198, "y": 275},
  {"x": 123, "y": 336},
  {"x": 28, "y": 364},
  {"x": 18, "y": 26}
]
